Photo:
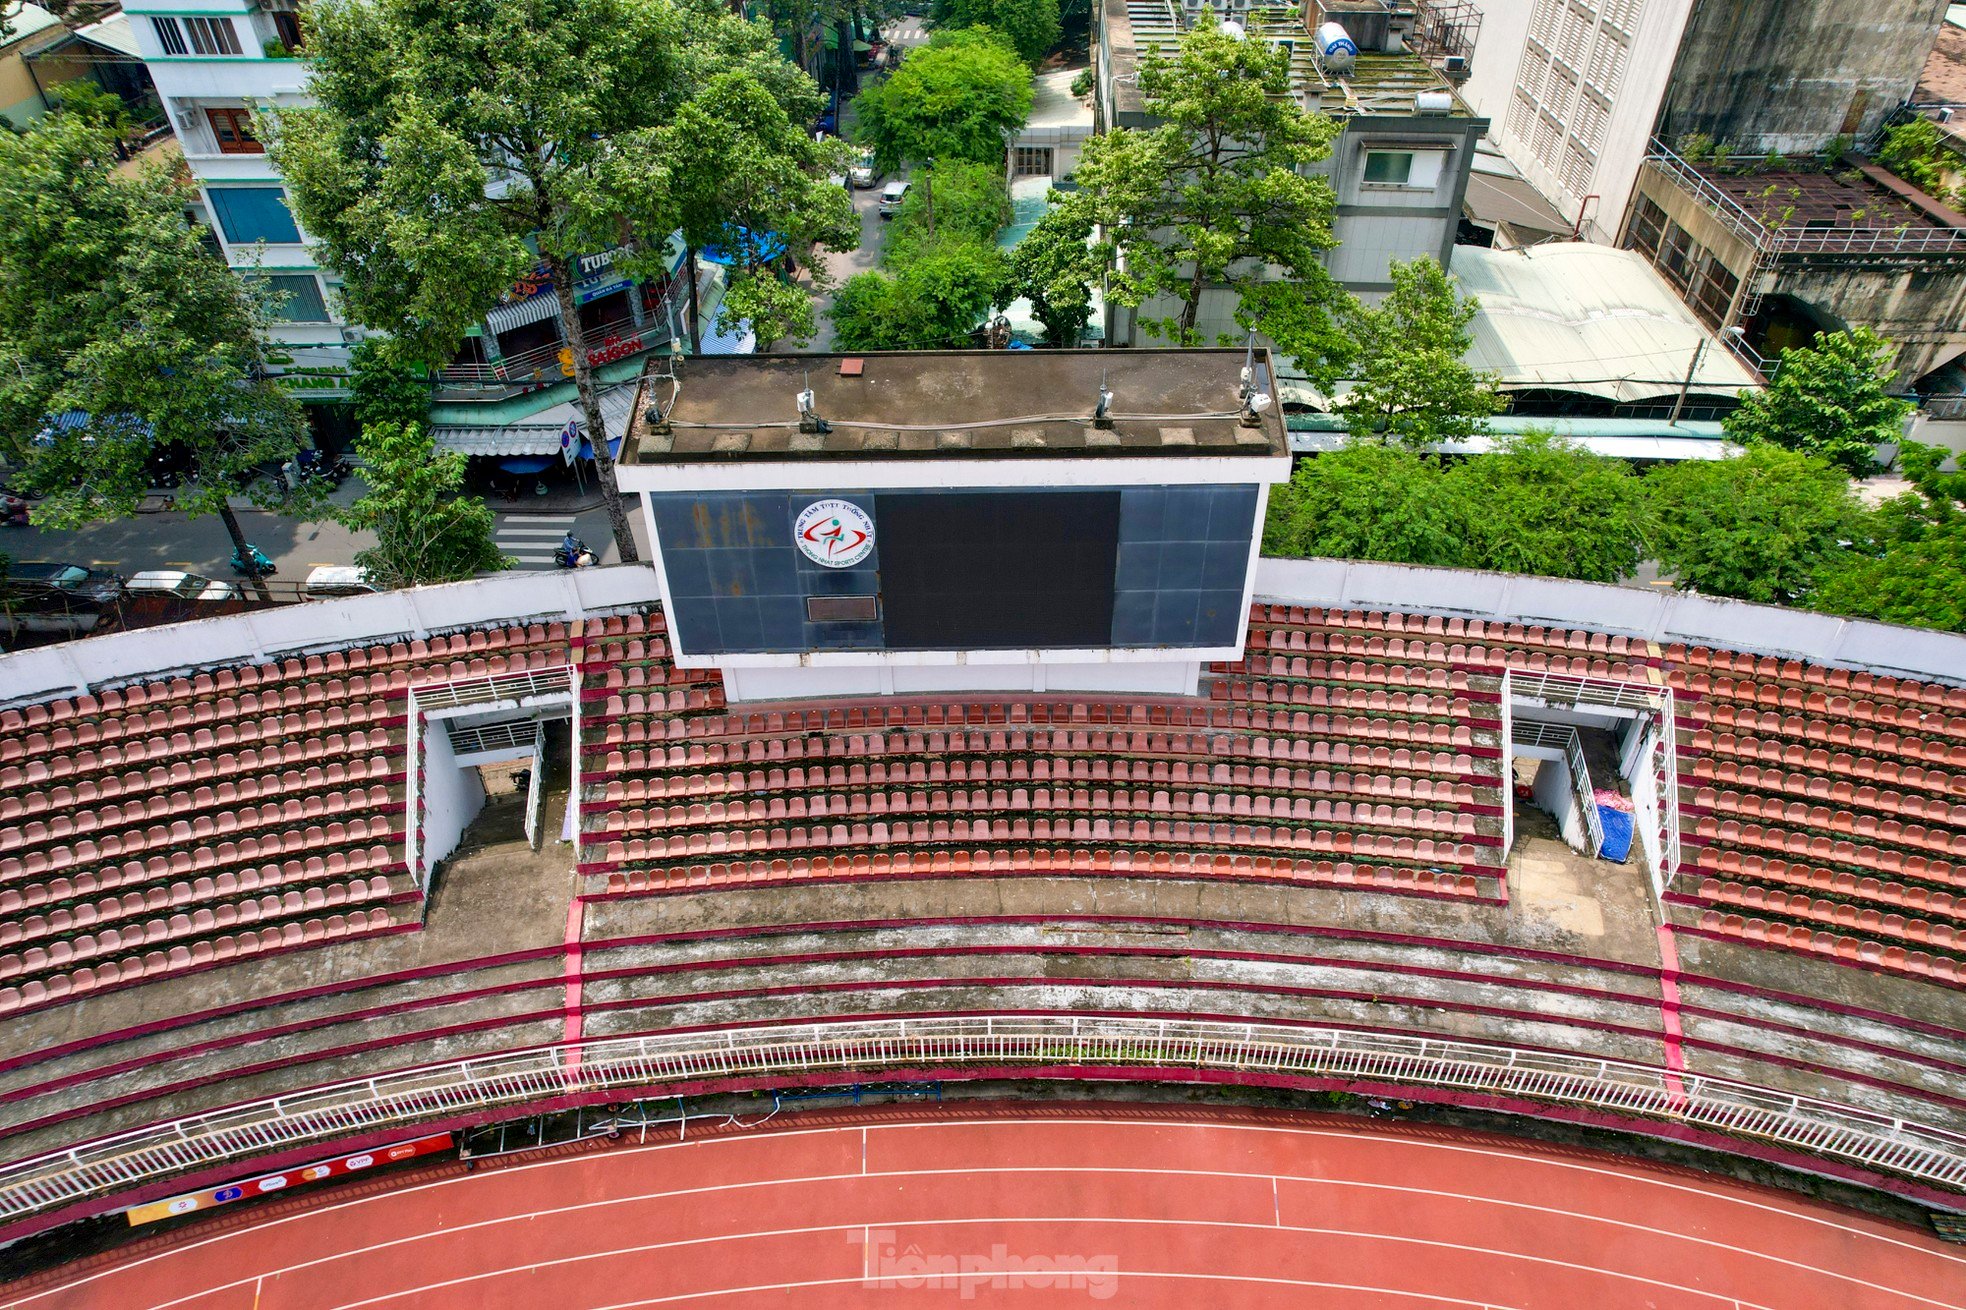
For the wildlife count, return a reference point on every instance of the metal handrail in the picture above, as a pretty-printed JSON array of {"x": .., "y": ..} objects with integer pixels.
[
  {"x": 1563, "y": 737},
  {"x": 494, "y": 736},
  {"x": 856, "y": 1047},
  {"x": 1803, "y": 241},
  {"x": 492, "y": 688}
]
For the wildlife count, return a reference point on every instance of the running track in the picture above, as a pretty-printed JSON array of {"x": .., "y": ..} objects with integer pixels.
[{"x": 1161, "y": 1208}]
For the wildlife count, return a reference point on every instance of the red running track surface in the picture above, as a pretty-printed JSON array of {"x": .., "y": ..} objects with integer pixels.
[{"x": 1039, "y": 1206}]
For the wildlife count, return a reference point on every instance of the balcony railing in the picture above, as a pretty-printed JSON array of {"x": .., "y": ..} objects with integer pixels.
[
  {"x": 540, "y": 366},
  {"x": 1791, "y": 241},
  {"x": 996, "y": 1045}
]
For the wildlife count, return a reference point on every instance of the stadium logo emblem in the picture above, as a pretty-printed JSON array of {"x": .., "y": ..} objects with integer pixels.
[{"x": 835, "y": 533}]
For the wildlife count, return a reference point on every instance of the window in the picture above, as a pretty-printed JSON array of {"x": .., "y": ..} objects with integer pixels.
[
  {"x": 247, "y": 214},
  {"x": 297, "y": 298},
  {"x": 233, "y": 129},
  {"x": 1031, "y": 161},
  {"x": 287, "y": 27},
  {"x": 1417, "y": 170},
  {"x": 212, "y": 36},
  {"x": 170, "y": 36},
  {"x": 1388, "y": 167}
]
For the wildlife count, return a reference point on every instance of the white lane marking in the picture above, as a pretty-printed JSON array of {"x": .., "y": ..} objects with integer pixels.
[
  {"x": 1278, "y": 1223},
  {"x": 1383, "y": 1139},
  {"x": 901, "y": 1225}
]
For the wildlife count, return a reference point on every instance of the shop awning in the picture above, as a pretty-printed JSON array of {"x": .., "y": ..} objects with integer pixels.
[
  {"x": 500, "y": 441},
  {"x": 507, "y": 317}
]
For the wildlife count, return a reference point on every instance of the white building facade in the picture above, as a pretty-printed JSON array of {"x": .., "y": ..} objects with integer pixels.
[{"x": 213, "y": 61}]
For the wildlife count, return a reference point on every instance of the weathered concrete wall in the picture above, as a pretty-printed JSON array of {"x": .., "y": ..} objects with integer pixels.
[
  {"x": 1790, "y": 74},
  {"x": 1918, "y": 305}
]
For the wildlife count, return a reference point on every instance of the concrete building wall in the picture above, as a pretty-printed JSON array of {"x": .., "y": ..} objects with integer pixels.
[
  {"x": 1572, "y": 91},
  {"x": 1790, "y": 74},
  {"x": 1920, "y": 306}
]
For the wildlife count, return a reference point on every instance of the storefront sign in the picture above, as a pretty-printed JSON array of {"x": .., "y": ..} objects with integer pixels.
[
  {"x": 836, "y": 533},
  {"x": 267, "y": 1184}
]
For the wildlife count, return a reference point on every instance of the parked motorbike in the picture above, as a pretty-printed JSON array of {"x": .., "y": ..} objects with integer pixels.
[
  {"x": 257, "y": 567},
  {"x": 311, "y": 465},
  {"x": 13, "y": 511}
]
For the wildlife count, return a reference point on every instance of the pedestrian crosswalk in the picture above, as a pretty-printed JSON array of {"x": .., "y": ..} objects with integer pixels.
[
  {"x": 530, "y": 539},
  {"x": 905, "y": 31}
]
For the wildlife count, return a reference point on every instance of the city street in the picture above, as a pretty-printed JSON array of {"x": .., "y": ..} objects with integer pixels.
[{"x": 171, "y": 541}]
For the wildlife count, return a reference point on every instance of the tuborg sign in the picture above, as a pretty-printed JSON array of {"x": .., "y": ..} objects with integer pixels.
[{"x": 835, "y": 533}]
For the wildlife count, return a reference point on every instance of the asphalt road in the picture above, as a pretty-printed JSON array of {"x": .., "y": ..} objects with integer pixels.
[{"x": 171, "y": 541}]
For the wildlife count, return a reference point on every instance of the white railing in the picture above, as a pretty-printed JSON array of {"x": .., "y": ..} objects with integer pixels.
[
  {"x": 494, "y": 736},
  {"x": 859, "y": 1048},
  {"x": 492, "y": 689},
  {"x": 536, "y": 785},
  {"x": 1562, "y": 737},
  {"x": 1645, "y": 697},
  {"x": 1507, "y": 778},
  {"x": 413, "y": 768}
]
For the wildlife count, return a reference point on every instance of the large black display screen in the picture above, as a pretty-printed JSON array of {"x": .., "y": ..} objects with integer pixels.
[{"x": 1004, "y": 570}]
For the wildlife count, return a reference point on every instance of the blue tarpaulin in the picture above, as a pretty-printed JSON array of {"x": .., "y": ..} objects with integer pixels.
[{"x": 1617, "y": 826}]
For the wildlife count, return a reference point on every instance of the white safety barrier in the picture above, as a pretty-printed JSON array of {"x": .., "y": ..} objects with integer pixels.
[{"x": 852, "y": 1049}]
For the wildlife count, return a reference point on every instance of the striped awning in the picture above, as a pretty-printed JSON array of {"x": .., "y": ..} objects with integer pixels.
[{"x": 516, "y": 315}]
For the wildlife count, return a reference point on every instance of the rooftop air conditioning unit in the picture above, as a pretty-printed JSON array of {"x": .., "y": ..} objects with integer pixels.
[{"x": 1455, "y": 65}]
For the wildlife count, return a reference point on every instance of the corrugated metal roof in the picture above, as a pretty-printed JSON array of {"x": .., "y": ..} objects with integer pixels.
[
  {"x": 1573, "y": 316},
  {"x": 28, "y": 19},
  {"x": 540, "y": 433},
  {"x": 114, "y": 33}
]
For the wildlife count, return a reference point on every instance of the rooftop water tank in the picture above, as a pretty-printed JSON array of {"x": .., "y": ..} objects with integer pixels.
[
  {"x": 1433, "y": 102},
  {"x": 1336, "y": 50}
]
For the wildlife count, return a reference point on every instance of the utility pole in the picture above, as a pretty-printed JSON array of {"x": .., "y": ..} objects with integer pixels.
[{"x": 1699, "y": 353}]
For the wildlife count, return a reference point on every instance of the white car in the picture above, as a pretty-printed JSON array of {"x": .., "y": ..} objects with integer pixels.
[
  {"x": 337, "y": 580},
  {"x": 891, "y": 197},
  {"x": 863, "y": 173},
  {"x": 184, "y": 586}
]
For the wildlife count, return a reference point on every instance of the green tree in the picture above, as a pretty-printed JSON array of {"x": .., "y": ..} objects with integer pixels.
[
  {"x": 1829, "y": 399},
  {"x": 1031, "y": 25},
  {"x": 1542, "y": 505},
  {"x": 1369, "y": 501},
  {"x": 1057, "y": 268},
  {"x": 1916, "y": 152},
  {"x": 962, "y": 96},
  {"x": 1411, "y": 380},
  {"x": 112, "y": 311},
  {"x": 970, "y": 203},
  {"x": 386, "y": 390},
  {"x": 426, "y": 529},
  {"x": 1758, "y": 527},
  {"x": 450, "y": 148},
  {"x": 1911, "y": 567},
  {"x": 753, "y": 182},
  {"x": 105, "y": 109},
  {"x": 1219, "y": 190},
  {"x": 935, "y": 302}
]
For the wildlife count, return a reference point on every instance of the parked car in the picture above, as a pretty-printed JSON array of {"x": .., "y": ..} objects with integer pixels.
[
  {"x": 182, "y": 585},
  {"x": 864, "y": 174},
  {"x": 98, "y": 586},
  {"x": 891, "y": 197},
  {"x": 337, "y": 580},
  {"x": 56, "y": 599}
]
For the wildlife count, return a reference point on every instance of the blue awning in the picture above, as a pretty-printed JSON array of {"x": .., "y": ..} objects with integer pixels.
[{"x": 746, "y": 247}]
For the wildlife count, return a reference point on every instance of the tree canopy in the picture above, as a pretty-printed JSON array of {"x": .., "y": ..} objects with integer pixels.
[
  {"x": 1829, "y": 398},
  {"x": 933, "y": 302},
  {"x": 753, "y": 182},
  {"x": 115, "y": 317},
  {"x": 1057, "y": 268},
  {"x": 1031, "y": 25},
  {"x": 426, "y": 530},
  {"x": 1217, "y": 193},
  {"x": 969, "y": 202},
  {"x": 453, "y": 148},
  {"x": 1759, "y": 527},
  {"x": 1910, "y": 565},
  {"x": 1371, "y": 501},
  {"x": 1543, "y": 505},
  {"x": 1411, "y": 381},
  {"x": 960, "y": 97}
]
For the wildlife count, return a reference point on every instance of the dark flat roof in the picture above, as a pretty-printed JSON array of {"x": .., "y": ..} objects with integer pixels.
[{"x": 957, "y": 403}]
